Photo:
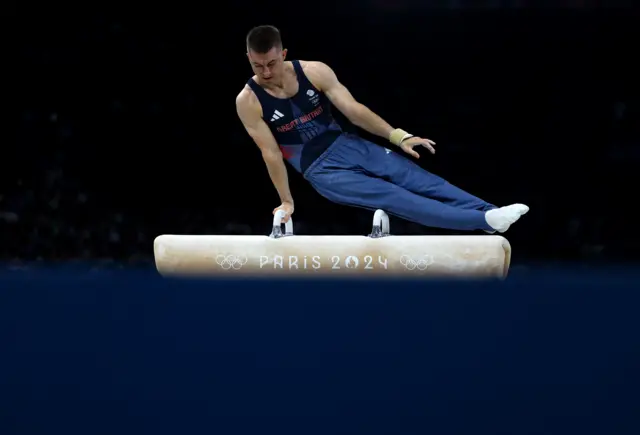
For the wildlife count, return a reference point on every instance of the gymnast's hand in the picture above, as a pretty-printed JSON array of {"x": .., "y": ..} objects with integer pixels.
[
  {"x": 408, "y": 144},
  {"x": 287, "y": 207}
]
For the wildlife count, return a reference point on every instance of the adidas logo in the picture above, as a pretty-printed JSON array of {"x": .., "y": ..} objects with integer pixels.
[{"x": 276, "y": 115}]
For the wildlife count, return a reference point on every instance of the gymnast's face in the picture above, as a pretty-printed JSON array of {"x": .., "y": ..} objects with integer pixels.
[{"x": 269, "y": 66}]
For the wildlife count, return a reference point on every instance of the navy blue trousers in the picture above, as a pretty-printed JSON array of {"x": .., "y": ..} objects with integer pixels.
[{"x": 358, "y": 173}]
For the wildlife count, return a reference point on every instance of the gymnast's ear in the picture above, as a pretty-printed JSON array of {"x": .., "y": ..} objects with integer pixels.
[{"x": 284, "y": 53}]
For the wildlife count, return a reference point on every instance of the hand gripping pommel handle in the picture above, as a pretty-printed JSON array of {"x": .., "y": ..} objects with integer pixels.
[
  {"x": 276, "y": 232},
  {"x": 380, "y": 225}
]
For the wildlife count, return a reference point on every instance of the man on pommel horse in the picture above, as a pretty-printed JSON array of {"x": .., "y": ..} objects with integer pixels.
[{"x": 285, "y": 108}]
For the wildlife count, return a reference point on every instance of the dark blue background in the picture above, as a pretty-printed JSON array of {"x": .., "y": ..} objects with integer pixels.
[{"x": 127, "y": 352}]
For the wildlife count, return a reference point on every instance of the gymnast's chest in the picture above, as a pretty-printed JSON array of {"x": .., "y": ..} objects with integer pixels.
[{"x": 294, "y": 110}]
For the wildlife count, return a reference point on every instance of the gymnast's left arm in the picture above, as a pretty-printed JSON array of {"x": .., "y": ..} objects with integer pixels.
[{"x": 326, "y": 80}]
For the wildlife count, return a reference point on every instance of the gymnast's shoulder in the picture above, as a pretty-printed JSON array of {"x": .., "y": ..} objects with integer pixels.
[
  {"x": 246, "y": 98},
  {"x": 319, "y": 73},
  {"x": 314, "y": 66}
]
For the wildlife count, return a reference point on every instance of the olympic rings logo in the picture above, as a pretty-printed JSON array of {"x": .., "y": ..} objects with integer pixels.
[
  {"x": 231, "y": 261},
  {"x": 420, "y": 264}
]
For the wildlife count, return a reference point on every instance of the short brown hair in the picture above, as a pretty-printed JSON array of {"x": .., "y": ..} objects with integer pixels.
[{"x": 261, "y": 39}]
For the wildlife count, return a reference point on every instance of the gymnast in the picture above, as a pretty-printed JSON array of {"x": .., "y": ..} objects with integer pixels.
[{"x": 286, "y": 109}]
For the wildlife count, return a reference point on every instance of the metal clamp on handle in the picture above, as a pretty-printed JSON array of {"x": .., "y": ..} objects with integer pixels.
[
  {"x": 276, "y": 232},
  {"x": 380, "y": 225}
]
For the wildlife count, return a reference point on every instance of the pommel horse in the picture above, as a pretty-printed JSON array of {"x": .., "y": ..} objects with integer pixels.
[{"x": 378, "y": 254}]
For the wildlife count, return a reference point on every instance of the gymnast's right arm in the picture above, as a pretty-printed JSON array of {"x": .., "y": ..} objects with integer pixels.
[{"x": 250, "y": 113}]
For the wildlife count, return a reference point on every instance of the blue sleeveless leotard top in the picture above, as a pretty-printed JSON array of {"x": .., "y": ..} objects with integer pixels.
[{"x": 302, "y": 125}]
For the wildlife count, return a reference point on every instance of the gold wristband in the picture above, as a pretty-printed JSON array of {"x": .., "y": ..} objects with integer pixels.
[{"x": 398, "y": 135}]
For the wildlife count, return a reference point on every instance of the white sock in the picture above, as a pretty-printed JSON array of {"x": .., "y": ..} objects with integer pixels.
[{"x": 501, "y": 218}]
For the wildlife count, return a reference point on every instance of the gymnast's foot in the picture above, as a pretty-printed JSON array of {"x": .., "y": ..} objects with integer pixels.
[{"x": 501, "y": 218}]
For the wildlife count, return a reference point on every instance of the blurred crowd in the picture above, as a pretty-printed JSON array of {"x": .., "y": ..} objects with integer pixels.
[{"x": 47, "y": 214}]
